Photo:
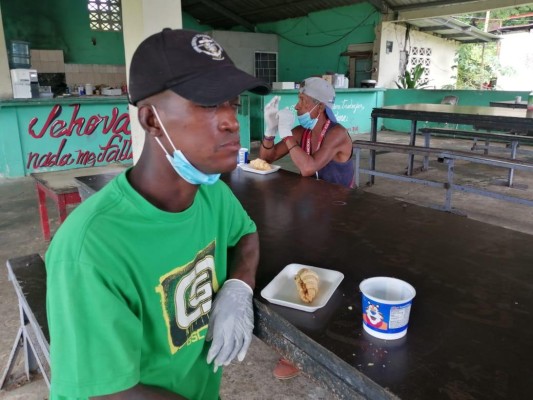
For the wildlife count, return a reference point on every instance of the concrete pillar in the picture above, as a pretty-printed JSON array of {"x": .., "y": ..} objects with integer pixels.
[
  {"x": 6, "y": 90},
  {"x": 142, "y": 18}
]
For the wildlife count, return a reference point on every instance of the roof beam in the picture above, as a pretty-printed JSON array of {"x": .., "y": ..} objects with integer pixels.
[
  {"x": 379, "y": 5},
  {"x": 433, "y": 28},
  {"x": 453, "y": 7},
  {"x": 452, "y": 35},
  {"x": 229, "y": 14}
]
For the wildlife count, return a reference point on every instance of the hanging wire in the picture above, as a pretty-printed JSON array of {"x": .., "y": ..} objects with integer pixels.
[{"x": 326, "y": 44}]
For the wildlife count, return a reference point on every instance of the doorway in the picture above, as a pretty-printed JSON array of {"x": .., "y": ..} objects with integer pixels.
[{"x": 360, "y": 63}]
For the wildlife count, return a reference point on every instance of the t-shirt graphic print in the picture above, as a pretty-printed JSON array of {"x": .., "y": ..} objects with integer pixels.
[{"x": 186, "y": 296}]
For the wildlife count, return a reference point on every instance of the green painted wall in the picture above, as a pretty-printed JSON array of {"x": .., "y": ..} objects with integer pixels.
[
  {"x": 312, "y": 45},
  {"x": 64, "y": 25},
  {"x": 308, "y": 46},
  {"x": 189, "y": 22},
  {"x": 63, "y": 133}
]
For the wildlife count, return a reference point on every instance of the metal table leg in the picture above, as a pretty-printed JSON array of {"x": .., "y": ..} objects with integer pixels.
[
  {"x": 373, "y": 138},
  {"x": 412, "y": 141}
]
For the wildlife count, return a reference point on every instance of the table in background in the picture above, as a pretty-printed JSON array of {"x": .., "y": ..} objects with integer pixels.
[
  {"x": 509, "y": 104},
  {"x": 61, "y": 187},
  {"x": 88, "y": 185},
  {"x": 495, "y": 118},
  {"x": 469, "y": 322}
]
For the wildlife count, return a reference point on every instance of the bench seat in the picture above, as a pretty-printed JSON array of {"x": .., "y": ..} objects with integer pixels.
[
  {"x": 493, "y": 136},
  {"x": 446, "y": 156},
  {"x": 512, "y": 140}
]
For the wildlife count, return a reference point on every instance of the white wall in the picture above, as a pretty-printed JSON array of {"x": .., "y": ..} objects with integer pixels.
[
  {"x": 516, "y": 51},
  {"x": 441, "y": 58},
  {"x": 241, "y": 46}
]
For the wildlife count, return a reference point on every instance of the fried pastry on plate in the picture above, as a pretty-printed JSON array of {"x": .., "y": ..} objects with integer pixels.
[
  {"x": 307, "y": 284},
  {"x": 260, "y": 164}
]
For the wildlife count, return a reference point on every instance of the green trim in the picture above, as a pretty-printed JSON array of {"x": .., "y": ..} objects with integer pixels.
[{"x": 64, "y": 100}]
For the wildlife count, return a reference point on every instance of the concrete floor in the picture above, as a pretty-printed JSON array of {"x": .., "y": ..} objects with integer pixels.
[{"x": 252, "y": 379}]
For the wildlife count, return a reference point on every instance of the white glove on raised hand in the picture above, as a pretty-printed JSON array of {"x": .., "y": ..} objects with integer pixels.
[
  {"x": 286, "y": 122},
  {"x": 271, "y": 121},
  {"x": 231, "y": 323}
]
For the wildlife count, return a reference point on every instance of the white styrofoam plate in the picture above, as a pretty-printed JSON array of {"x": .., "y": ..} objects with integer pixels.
[
  {"x": 282, "y": 289},
  {"x": 248, "y": 168}
]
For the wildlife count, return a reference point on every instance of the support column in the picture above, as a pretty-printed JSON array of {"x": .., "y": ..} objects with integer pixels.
[{"x": 142, "y": 18}]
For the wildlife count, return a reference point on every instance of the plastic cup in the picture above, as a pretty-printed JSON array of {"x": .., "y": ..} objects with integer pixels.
[
  {"x": 386, "y": 305},
  {"x": 242, "y": 158}
]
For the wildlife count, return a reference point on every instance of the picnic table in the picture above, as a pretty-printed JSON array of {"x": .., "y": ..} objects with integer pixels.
[
  {"x": 467, "y": 335},
  {"x": 509, "y": 104},
  {"x": 61, "y": 188},
  {"x": 495, "y": 118}
]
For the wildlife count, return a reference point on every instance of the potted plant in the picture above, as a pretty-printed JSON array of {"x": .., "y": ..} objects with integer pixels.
[{"x": 412, "y": 80}]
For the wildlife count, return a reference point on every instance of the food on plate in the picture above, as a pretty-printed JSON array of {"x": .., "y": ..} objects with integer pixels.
[
  {"x": 260, "y": 164},
  {"x": 307, "y": 284}
]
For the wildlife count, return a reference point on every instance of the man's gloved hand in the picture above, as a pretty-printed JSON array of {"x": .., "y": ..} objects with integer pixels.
[
  {"x": 286, "y": 122},
  {"x": 271, "y": 121},
  {"x": 231, "y": 323}
]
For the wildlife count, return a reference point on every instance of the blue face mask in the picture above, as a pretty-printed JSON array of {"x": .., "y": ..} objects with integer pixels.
[
  {"x": 306, "y": 121},
  {"x": 183, "y": 166}
]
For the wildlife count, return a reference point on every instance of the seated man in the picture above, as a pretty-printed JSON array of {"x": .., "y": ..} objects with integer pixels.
[
  {"x": 138, "y": 277},
  {"x": 319, "y": 146}
]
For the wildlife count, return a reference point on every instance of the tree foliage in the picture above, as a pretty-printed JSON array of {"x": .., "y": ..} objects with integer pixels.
[{"x": 477, "y": 64}]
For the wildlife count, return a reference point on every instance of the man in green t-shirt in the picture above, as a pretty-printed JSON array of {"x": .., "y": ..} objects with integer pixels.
[{"x": 141, "y": 302}]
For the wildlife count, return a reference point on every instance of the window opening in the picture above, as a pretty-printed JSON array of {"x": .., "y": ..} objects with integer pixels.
[
  {"x": 422, "y": 56},
  {"x": 266, "y": 66},
  {"x": 105, "y": 15}
]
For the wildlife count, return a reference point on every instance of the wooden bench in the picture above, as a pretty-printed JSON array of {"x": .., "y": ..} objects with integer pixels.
[
  {"x": 512, "y": 140},
  {"x": 28, "y": 275},
  {"x": 446, "y": 156}
]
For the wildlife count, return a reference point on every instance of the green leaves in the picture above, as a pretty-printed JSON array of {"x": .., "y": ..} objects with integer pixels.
[
  {"x": 478, "y": 64},
  {"x": 412, "y": 81}
]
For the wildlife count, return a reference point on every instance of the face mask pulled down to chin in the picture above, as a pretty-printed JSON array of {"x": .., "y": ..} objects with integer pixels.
[
  {"x": 181, "y": 165},
  {"x": 306, "y": 121}
]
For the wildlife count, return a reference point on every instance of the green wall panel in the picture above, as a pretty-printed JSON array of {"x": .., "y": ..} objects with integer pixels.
[
  {"x": 352, "y": 107},
  {"x": 61, "y": 25},
  {"x": 312, "y": 45},
  {"x": 189, "y": 22},
  {"x": 63, "y": 133},
  {"x": 11, "y": 158}
]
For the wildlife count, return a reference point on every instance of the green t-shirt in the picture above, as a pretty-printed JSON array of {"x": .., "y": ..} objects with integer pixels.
[{"x": 129, "y": 289}]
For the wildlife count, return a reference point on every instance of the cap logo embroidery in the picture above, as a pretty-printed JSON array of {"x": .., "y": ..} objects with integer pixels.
[{"x": 205, "y": 44}]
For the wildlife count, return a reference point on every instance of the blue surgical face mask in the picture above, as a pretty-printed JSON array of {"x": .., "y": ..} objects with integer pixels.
[
  {"x": 306, "y": 121},
  {"x": 183, "y": 166}
]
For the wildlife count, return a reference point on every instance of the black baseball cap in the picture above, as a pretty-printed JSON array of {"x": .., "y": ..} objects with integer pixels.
[{"x": 192, "y": 65}]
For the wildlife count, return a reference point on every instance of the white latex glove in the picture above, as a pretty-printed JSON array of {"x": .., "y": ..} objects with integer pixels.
[
  {"x": 271, "y": 110},
  {"x": 285, "y": 122},
  {"x": 231, "y": 323}
]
